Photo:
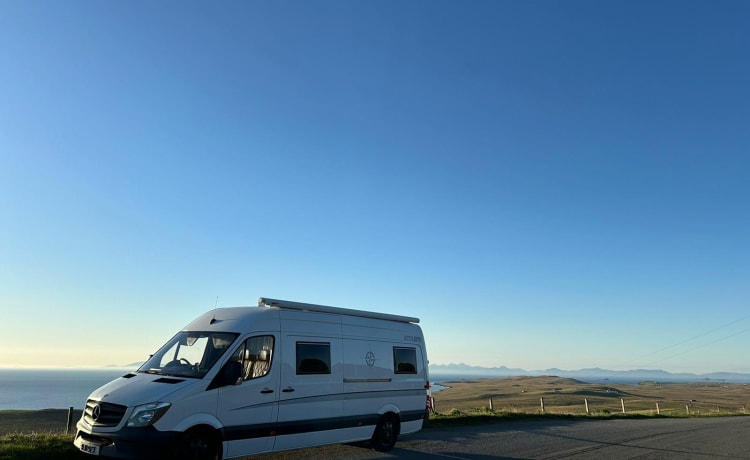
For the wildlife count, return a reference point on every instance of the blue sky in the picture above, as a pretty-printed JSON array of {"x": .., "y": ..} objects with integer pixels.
[{"x": 544, "y": 183}]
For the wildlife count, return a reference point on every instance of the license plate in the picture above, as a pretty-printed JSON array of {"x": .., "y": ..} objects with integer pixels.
[{"x": 86, "y": 447}]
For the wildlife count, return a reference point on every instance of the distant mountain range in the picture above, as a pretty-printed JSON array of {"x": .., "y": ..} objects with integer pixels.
[{"x": 657, "y": 375}]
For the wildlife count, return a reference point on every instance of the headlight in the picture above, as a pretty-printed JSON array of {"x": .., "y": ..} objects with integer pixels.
[{"x": 147, "y": 414}]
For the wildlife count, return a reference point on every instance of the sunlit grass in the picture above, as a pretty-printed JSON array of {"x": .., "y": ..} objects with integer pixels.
[
  {"x": 483, "y": 415},
  {"x": 38, "y": 446},
  {"x": 554, "y": 395}
]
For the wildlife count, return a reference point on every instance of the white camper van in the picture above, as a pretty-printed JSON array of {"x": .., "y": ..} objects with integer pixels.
[{"x": 247, "y": 380}]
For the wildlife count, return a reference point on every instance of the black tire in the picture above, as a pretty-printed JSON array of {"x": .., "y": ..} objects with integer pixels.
[
  {"x": 198, "y": 444},
  {"x": 386, "y": 433}
]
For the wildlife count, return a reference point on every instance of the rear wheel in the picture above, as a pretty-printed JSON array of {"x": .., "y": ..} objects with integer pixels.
[
  {"x": 198, "y": 444},
  {"x": 386, "y": 433}
]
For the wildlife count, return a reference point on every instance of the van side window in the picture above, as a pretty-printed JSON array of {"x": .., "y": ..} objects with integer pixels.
[
  {"x": 255, "y": 355},
  {"x": 313, "y": 358},
  {"x": 404, "y": 360}
]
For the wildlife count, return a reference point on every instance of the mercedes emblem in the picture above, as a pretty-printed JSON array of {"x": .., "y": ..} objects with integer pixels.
[{"x": 96, "y": 412}]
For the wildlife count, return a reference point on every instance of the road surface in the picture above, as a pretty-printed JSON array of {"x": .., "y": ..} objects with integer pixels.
[{"x": 695, "y": 438}]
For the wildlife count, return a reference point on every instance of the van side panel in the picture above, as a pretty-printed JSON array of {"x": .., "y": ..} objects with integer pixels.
[
  {"x": 373, "y": 382},
  {"x": 311, "y": 384},
  {"x": 371, "y": 387}
]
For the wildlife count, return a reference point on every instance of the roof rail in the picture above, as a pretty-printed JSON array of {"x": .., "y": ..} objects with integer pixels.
[{"x": 287, "y": 304}]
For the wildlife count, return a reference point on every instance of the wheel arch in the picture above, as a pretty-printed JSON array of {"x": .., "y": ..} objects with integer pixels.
[
  {"x": 195, "y": 432},
  {"x": 390, "y": 408},
  {"x": 196, "y": 420}
]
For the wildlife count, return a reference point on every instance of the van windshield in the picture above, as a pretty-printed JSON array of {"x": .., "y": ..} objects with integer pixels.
[{"x": 189, "y": 354}]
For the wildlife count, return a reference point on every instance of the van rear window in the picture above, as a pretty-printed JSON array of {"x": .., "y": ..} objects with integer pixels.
[
  {"x": 404, "y": 360},
  {"x": 313, "y": 358}
]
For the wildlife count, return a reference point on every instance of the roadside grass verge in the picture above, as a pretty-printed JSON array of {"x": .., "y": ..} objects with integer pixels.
[
  {"x": 481, "y": 416},
  {"x": 39, "y": 446}
]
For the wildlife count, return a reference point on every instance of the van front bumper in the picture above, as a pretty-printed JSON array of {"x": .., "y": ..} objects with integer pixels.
[{"x": 129, "y": 443}]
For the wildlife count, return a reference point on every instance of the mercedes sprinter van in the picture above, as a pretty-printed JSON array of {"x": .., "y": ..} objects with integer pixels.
[{"x": 248, "y": 380}]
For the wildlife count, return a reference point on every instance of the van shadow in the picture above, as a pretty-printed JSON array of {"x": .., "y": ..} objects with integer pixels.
[
  {"x": 454, "y": 442},
  {"x": 467, "y": 442},
  {"x": 410, "y": 454}
]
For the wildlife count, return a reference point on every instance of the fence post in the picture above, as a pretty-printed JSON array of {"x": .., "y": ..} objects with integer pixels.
[
  {"x": 542, "y": 402},
  {"x": 657, "y": 408},
  {"x": 491, "y": 404},
  {"x": 687, "y": 408},
  {"x": 622, "y": 402},
  {"x": 70, "y": 420},
  {"x": 432, "y": 405},
  {"x": 586, "y": 402}
]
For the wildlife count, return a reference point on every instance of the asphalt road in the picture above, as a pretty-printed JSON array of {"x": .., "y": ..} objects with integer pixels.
[{"x": 698, "y": 438}]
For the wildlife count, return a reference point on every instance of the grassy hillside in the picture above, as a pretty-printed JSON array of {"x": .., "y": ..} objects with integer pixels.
[
  {"x": 36, "y": 421},
  {"x": 568, "y": 396}
]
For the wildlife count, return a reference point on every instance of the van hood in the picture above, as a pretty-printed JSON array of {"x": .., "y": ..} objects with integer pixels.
[{"x": 141, "y": 388}]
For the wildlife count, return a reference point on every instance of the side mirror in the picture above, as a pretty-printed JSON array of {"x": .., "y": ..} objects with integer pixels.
[
  {"x": 234, "y": 373},
  {"x": 230, "y": 374}
]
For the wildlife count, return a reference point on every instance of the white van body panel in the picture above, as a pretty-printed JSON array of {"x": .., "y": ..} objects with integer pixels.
[
  {"x": 308, "y": 375},
  {"x": 253, "y": 402},
  {"x": 139, "y": 388},
  {"x": 202, "y": 418}
]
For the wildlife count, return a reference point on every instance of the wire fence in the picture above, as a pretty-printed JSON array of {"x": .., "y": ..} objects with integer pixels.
[{"x": 565, "y": 405}]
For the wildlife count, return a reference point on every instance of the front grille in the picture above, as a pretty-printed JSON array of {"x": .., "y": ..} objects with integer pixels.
[{"x": 103, "y": 414}]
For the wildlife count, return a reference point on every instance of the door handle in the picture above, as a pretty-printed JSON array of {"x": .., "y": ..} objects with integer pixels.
[
  {"x": 266, "y": 391},
  {"x": 287, "y": 390}
]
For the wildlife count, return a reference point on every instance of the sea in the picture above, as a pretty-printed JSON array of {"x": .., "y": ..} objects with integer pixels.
[{"x": 52, "y": 388}]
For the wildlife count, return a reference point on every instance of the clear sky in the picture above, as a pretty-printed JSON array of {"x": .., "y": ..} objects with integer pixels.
[{"x": 544, "y": 183}]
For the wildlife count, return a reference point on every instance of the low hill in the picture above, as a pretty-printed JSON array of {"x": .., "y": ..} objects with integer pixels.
[{"x": 596, "y": 373}]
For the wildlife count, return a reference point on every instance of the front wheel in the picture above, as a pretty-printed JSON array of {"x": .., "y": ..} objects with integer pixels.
[
  {"x": 198, "y": 444},
  {"x": 386, "y": 433}
]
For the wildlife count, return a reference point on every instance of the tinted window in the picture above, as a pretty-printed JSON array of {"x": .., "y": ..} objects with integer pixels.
[
  {"x": 404, "y": 360},
  {"x": 313, "y": 358},
  {"x": 256, "y": 355}
]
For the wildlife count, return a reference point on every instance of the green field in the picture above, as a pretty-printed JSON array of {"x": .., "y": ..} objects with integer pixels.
[
  {"x": 37, "y": 435},
  {"x": 569, "y": 396},
  {"x": 36, "y": 421}
]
